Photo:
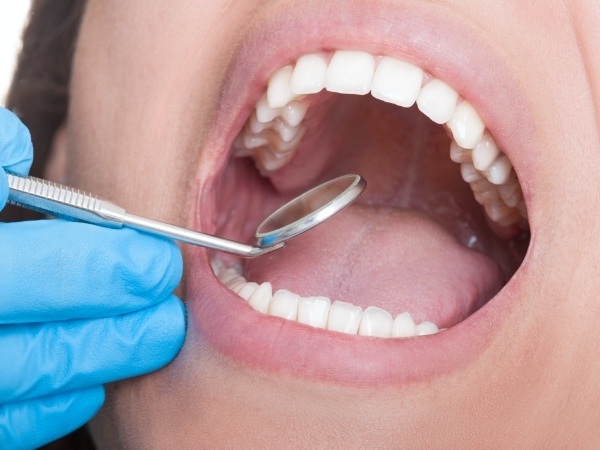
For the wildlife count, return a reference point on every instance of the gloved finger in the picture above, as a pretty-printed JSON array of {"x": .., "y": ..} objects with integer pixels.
[
  {"x": 30, "y": 424},
  {"x": 16, "y": 151},
  {"x": 43, "y": 359},
  {"x": 55, "y": 270}
]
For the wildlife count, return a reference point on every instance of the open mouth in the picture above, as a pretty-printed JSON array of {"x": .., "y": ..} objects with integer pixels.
[{"x": 440, "y": 230}]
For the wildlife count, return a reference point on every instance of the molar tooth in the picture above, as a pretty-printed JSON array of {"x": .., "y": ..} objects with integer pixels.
[
  {"x": 270, "y": 160},
  {"x": 278, "y": 92},
  {"x": 485, "y": 196},
  {"x": 246, "y": 291},
  {"x": 344, "y": 317},
  {"x": 228, "y": 274},
  {"x": 376, "y": 322},
  {"x": 264, "y": 113},
  {"x": 466, "y": 125},
  {"x": 500, "y": 170},
  {"x": 498, "y": 210},
  {"x": 426, "y": 328},
  {"x": 252, "y": 141},
  {"x": 284, "y": 304},
  {"x": 397, "y": 82},
  {"x": 469, "y": 173},
  {"x": 485, "y": 153},
  {"x": 238, "y": 285},
  {"x": 217, "y": 265},
  {"x": 510, "y": 193},
  {"x": 510, "y": 219},
  {"x": 261, "y": 298},
  {"x": 234, "y": 281},
  {"x": 293, "y": 113},
  {"x": 257, "y": 126},
  {"x": 459, "y": 154},
  {"x": 437, "y": 101},
  {"x": 404, "y": 326},
  {"x": 350, "y": 72},
  {"x": 309, "y": 74},
  {"x": 286, "y": 132},
  {"x": 314, "y": 311}
]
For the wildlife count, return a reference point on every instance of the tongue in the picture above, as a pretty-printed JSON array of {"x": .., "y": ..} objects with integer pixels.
[{"x": 396, "y": 259}]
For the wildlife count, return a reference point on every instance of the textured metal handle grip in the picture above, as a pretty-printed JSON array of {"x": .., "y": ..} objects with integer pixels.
[{"x": 62, "y": 201}]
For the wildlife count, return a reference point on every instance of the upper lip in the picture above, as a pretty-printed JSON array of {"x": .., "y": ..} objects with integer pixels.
[{"x": 438, "y": 40}]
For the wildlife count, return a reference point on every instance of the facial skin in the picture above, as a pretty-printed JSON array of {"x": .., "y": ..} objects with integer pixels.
[{"x": 143, "y": 130}]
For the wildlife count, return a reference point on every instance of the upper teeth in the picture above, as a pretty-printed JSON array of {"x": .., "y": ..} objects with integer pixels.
[
  {"x": 320, "y": 312},
  {"x": 273, "y": 132}
]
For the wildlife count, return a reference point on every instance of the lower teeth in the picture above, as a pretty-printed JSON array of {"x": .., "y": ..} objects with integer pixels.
[{"x": 320, "y": 312}]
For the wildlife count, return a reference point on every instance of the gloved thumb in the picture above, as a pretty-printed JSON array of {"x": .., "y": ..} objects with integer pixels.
[{"x": 16, "y": 150}]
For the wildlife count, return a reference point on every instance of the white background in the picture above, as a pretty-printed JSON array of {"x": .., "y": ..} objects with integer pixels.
[{"x": 13, "y": 15}]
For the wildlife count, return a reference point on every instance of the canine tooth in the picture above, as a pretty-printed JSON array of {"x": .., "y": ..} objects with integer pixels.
[
  {"x": 350, "y": 72},
  {"x": 404, "y": 326},
  {"x": 246, "y": 291},
  {"x": 264, "y": 113},
  {"x": 397, "y": 82},
  {"x": 466, "y": 125},
  {"x": 484, "y": 153},
  {"x": 261, "y": 298},
  {"x": 344, "y": 317},
  {"x": 469, "y": 173},
  {"x": 278, "y": 92},
  {"x": 459, "y": 154},
  {"x": 309, "y": 74},
  {"x": 426, "y": 328},
  {"x": 284, "y": 304},
  {"x": 437, "y": 101},
  {"x": 314, "y": 311},
  {"x": 376, "y": 322},
  {"x": 500, "y": 170},
  {"x": 293, "y": 113}
]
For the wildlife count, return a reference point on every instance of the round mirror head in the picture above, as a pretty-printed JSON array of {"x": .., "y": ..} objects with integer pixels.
[{"x": 309, "y": 209}]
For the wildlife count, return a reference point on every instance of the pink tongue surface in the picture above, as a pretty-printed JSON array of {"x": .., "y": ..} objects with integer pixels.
[{"x": 376, "y": 256}]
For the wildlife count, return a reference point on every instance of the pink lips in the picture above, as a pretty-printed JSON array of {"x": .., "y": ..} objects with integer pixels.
[{"x": 440, "y": 43}]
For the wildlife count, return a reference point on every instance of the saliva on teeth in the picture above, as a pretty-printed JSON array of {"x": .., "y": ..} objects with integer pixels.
[{"x": 320, "y": 312}]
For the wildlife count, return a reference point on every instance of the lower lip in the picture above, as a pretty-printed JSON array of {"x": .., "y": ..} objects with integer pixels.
[{"x": 229, "y": 326}]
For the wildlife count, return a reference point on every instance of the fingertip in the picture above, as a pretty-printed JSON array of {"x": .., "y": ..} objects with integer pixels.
[
  {"x": 39, "y": 421},
  {"x": 156, "y": 263},
  {"x": 165, "y": 334},
  {"x": 3, "y": 189},
  {"x": 15, "y": 139}
]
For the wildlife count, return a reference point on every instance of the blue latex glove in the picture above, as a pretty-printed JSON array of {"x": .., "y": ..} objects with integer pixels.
[{"x": 80, "y": 306}]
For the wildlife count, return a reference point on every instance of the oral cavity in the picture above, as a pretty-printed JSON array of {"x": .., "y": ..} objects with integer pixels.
[
  {"x": 320, "y": 312},
  {"x": 275, "y": 129}
]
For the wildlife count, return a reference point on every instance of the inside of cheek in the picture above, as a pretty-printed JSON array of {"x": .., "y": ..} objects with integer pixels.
[{"x": 417, "y": 231}]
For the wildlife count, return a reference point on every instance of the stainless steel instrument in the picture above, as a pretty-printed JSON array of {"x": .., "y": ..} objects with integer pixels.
[{"x": 292, "y": 219}]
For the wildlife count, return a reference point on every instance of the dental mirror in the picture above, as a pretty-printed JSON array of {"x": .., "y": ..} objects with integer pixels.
[
  {"x": 309, "y": 210},
  {"x": 295, "y": 217}
]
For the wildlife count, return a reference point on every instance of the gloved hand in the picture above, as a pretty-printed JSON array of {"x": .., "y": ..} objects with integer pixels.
[{"x": 80, "y": 306}]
